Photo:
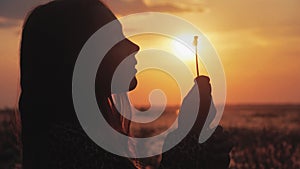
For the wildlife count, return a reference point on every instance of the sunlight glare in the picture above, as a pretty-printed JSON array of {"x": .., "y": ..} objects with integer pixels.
[{"x": 182, "y": 50}]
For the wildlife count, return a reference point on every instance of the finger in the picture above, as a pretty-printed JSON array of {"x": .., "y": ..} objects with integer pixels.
[
  {"x": 203, "y": 84},
  {"x": 203, "y": 79}
]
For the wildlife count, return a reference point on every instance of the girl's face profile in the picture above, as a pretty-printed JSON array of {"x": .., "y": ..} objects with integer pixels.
[{"x": 123, "y": 55}]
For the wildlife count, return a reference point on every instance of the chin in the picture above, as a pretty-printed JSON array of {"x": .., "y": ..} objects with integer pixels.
[{"x": 133, "y": 84}]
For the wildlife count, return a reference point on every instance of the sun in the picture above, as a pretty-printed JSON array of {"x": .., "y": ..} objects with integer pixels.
[{"x": 182, "y": 47}]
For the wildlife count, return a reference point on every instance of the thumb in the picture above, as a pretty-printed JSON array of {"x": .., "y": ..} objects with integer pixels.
[{"x": 203, "y": 83}]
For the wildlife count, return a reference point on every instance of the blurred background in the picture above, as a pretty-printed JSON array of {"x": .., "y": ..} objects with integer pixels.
[{"x": 258, "y": 45}]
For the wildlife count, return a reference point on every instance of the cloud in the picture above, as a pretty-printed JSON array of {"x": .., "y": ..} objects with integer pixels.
[
  {"x": 188, "y": 5},
  {"x": 7, "y": 23},
  {"x": 124, "y": 7},
  {"x": 18, "y": 9},
  {"x": 14, "y": 10}
]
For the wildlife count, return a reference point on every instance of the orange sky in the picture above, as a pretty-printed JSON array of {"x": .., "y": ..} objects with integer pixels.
[{"x": 257, "y": 41}]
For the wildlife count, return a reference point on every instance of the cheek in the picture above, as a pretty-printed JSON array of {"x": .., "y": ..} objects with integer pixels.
[{"x": 110, "y": 63}]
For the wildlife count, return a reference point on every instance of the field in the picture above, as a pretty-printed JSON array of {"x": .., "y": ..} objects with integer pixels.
[
  {"x": 9, "y": 148},
  {"x": 265, "y": 136}
]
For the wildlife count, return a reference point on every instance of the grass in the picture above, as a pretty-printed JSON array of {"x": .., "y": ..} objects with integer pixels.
[
  {"x": 266, "y": 137},
  {"x": 265, "y": 149},
  {"x": 10, "y": 154}
]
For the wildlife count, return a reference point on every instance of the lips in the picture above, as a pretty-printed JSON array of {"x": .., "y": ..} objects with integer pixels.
[{"x": 135, "y": 63}]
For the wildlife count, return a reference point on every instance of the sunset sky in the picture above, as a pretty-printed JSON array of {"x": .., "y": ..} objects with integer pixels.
[{"x": 258, "y": 42}]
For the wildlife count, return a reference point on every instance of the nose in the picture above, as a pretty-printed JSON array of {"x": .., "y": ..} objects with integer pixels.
[
  {"x": 137, "y": 48},
  {"x": 132, "y": 46}
]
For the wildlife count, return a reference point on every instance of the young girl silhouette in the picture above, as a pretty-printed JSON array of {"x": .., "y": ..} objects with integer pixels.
[{"x": 52, "y": 38}]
